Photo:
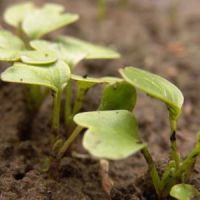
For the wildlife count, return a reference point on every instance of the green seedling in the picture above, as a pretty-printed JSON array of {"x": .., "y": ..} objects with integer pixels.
[
  {"x": 112, "y": 132},
  {"x": 44, "y": 65},
  {"x": 184, "y": 192}
]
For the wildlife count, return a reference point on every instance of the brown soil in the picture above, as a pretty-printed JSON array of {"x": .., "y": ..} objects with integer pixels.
[{"x": 148, "y": 36}]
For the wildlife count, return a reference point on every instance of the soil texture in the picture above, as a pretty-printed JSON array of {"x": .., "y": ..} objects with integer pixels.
[{"x": 159, "y": 36}]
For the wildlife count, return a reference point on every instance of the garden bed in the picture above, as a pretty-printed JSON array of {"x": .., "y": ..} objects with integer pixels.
[{"x": 146, "y": 37}]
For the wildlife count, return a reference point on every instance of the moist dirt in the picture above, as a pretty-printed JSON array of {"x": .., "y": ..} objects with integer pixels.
[{"x": 159, "y": 36}]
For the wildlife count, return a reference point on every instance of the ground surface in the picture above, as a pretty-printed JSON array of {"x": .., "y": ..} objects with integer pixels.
[{"x": 160, "y": 36}]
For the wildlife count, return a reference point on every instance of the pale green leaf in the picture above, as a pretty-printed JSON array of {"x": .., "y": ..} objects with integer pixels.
[
  {"x": 10, "y": 41},
  {"x": 70, "y": 56},
  {"x": 185, "y": 192},
  {"x": 118, "y": 96},
  {"x": 86, "y": 82},
  {"x": 54, "y": 7},
  {"x": 14, "y": 15},
  {"x": 111, "y": 134},
  {"x": 10, "y": 46},
  {"x": 54, "y": 76},
  {"x": 73, "y": 50},
  {"x": 92, "y": 51},
  {"x": 156, "y": 87},
  {"x": 9, "y": 55},
  {"x": 45, "y": 20},
  {"x": 38, "y": 57}
]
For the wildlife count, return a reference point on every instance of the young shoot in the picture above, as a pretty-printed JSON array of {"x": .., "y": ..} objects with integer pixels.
[
  {"x": 112, "y": 132},
  {"x": 41, "y": 64}
]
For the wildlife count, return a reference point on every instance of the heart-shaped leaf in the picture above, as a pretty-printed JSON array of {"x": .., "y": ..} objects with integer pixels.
[
  {"x": 111, "y": 134},
  {"x": 46, "y": 19},
  {"x": 156, "y": 87},
  {"x": 185, "y": 192},
  {"x": 38, "y": 57},
  {"x": 14, "y": 15},
  {"x": 54, "y": 76},
  {"x": 118, "y": 96},
  {"x": 85, "y": 82}
]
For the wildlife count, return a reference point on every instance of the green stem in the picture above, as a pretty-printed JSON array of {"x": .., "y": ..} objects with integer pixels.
[
  {"x": 174, "y": 153},
  {"x": 188, "y": 163},
  {"x": 69, "y": 141},
  {"x": 168, "y": 178},
  {"x": 35, "y": 96},
  {"x": 172, "y": 175},
  {"x": 68, "y": 102},
  {"x": 153, "y": 170},
  {"x": 79, "y": 100},
  {"x": 56, "y": 110},
  {"x": 23, "y": 37}
]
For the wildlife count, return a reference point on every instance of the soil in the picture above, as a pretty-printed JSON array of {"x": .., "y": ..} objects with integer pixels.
[{"x": 159, "y": 36}]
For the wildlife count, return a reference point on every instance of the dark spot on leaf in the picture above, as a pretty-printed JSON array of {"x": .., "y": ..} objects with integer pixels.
[
  {"x": 21, "y": 79},
  {"x": 46, "y": 54},
  {"x": 173, "y": 136},
  {"x": 117, "y": 112},
  {"x": 138, "y": 142},
  {"x": 85, "y": 76}
]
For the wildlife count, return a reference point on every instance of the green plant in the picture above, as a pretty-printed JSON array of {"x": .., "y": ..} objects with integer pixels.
[
  {"x": 112, "y": 130},
  {"x": 112, "y": 133},
  {"x": 45, "y": 66}
]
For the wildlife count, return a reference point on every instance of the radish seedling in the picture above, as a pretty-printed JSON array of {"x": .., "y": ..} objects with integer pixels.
[
  {"x": 113, "y": 133},
  {"x": 41, "y": 64},
  {"x": 112, "y": 130}
]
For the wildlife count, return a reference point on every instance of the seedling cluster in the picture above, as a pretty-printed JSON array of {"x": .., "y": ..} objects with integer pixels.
[{"x": 111, "y": 131}]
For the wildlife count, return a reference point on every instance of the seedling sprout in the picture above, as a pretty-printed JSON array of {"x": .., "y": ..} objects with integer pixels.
[{"x": 112, "y": 131}]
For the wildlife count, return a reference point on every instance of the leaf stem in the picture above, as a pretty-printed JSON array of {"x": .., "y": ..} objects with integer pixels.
[
  {"x": 69, "y": 141},
  {"x": 153, "y": 170},
  {"x": 23, "y": 37},
  {"x": 189, "y": 162},
  {"x": 174, "y": 153},
  {"x": 79, "y": 100},
  {"x": 68, "y": 102},
  {"x": 56, "y": 110},
  {"x": 35, "y": 96}
]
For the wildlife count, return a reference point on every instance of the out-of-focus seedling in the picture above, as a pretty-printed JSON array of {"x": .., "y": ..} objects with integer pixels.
[{"x": 185, "y": 192}]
